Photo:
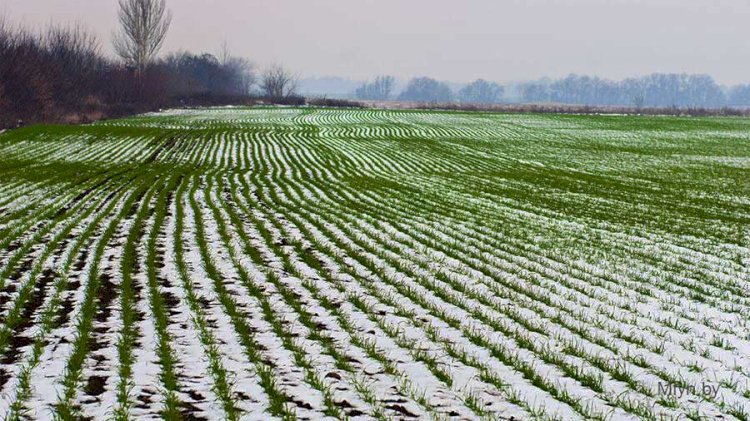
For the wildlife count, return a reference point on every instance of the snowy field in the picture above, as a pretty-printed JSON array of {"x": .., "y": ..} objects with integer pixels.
[{"x": 289, "y": 263}]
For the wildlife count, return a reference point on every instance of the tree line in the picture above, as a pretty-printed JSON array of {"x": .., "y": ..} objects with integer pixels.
[
  {"x": 425, "y": 89},
  {"x": 60, "y": 73},
  {"x": 655, "y": 91}
]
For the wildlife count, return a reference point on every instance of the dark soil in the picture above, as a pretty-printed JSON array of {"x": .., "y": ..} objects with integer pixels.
[
  {"x": 106, "y": 294},
  {"x": 95, "y": 385}
]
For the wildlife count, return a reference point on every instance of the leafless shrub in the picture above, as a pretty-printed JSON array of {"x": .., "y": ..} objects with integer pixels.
[
  {"x": 278, "y": 83},
  {"x": 4, "y": 45},
  {"x": 240, "y": 72},
  {"x": 75, "y": 60},
  {"x": 334, "y": 103},
  {"x": 380, "y": 89},
  {"x": 563, "y": 109},
  {"x": 27, "y": 89}
]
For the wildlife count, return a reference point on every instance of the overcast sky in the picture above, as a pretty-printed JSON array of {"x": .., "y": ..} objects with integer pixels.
[{"x": 502, "y": 40}]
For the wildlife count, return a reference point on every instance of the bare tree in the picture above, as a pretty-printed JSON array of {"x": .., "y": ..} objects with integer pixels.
[
  {"x": 144, "y": 26},
  {"x": 425, "y": 89},
  {"x": 240, "y": 70},
  {"x": 379, "y": 90},
  {"x": 5, "y": 42},
  {"x": 75, "y": 60},
  {"x": 242, "y": 73},
  {"x": 277, "y": 82},
  {"x": 481, "y": 92},
  {"x": 225, "y": 54}
]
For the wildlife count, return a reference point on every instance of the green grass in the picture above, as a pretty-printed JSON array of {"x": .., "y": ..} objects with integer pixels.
[{"x": 539, "y": 266}]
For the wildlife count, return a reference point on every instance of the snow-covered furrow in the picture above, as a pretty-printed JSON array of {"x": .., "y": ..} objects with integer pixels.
[
  {"x": 194, "y": 365},
  {"x": 435, "y": 390},
  {"x": 50, "y": 316},
  {"x": 387, "y": 388},
  {"x": 621, "y": 280},
  {"x": 433, "y": 230},
  {"x": 542, "y": 343},
  {"x": 15, "y": 359},
  {"x": 692, "y": 252},
  {"x": 100, "y": 376},
  {"x": 28, "y": 228},
  {"x": 146, "y": 390},
  {"x": 324, "y": 364},
  {"x": 405, "y": 361},
  {"x": 46, "y": 377},
  {"x": 566, "y": 266},
  {"x": 308, "y": 401},
  {"x": 397, "y": 277},
  {"x": 25, "y": 262},
  {"x": 684, "y": 360}
]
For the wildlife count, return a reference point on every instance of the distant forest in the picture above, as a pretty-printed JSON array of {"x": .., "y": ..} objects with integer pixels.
[{"x": 655, "y": 90}]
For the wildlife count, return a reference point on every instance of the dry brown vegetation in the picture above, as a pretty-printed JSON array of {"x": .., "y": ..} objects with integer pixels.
[{"x": 561, "y": 109}]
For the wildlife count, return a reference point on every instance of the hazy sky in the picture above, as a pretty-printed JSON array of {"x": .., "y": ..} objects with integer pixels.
[{"x": 501, "y": 40}]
